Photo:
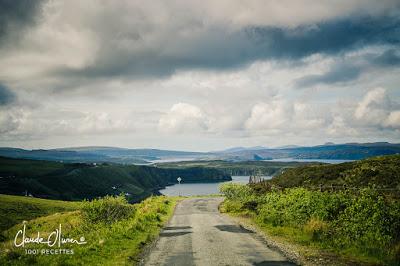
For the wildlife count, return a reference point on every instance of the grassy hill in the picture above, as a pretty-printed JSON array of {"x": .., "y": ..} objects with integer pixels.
[
  {"x": 381, "y": 171},
  {"x": 115, "y": 232},
  {"x": 97, "y": 154},
  {"x": 237, "y": 168},
  {"x": 348, "y": 151},
  {"x": 76, "y": 181},
  {"x": 15, "y": 209}
]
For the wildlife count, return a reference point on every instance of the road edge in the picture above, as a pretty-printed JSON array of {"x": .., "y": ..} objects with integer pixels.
[
  {"x": 145, "y": 252},
  {"x": 285, "y": 250}
]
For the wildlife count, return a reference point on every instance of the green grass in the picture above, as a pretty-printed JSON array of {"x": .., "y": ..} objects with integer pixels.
[
  {"x": 78, "y": 181},
  {"x": 362, "y": 226},
  {"x": 381, "y": 172},
  {"x": 15, "y": 209},
  {"x": 303, "y": 242},
  {"x": 116, "y": 243}
]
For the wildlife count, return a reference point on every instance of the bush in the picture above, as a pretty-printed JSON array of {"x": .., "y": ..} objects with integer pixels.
[
  {"x": 240, "y": 197},
  {"x": 370, "y": 222},
  {"x": 295, "y": 207},
  {"x": 234, "y": 191},
  {"x": 107, "y": 210},
  {"x": 317, "y": 228},
  {"x": 364, "y": 221}
]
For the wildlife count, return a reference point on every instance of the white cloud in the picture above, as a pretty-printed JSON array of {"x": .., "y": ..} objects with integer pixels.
[
  {"x": 183, "y": 117},
  {"x": 339, "y": 127},
  {"x": 285, "y": 117},
  {"x": 373, "y": 108},
  {"x": 28, "y": 123},
  {"x": 9, "y": 122},
  {"x": 393, "y": 120},
  {"x": 269, "y": 116},
  {"x": 376, "y": 109}
]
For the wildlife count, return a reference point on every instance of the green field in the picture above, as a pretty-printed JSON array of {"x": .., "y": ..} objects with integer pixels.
[
  {"x": 77, "y": 181},
  {"x": 115, "y": 232},
  {"x": 15, "y": 209}
]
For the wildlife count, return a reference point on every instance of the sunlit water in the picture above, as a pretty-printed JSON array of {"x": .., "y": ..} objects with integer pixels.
[
  {"x": 213, "y": 188},
  {"x": 201, "y": 188}
]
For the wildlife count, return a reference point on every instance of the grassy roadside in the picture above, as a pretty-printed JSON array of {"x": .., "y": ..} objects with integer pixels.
[
  {"x": 324, "y": 228},
  {"x": 115, "y": 233},
  {"x": 297, "y": 246}
]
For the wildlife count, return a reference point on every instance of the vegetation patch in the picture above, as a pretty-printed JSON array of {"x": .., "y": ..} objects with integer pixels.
[
  {"x": 78, "y": 181},
  {"x": 15, "y": 209},
  {"x": 268, "y": 168},
  {"x": 114, "y": 232},
  {"x": 382, "y": 172},
  {"x": 363, "y": 226}
]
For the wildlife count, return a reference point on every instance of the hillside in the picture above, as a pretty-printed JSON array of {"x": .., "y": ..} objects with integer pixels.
[
  {"x": 382, "y": 171},
  {"x": 114, "y": 232},
  {"x": 76, "y": 181},
  {"x": 348, "y": 151},
  {"x": 15, "y": 209},
  {"x": 268, "y": 168},
  {"x": 97, "y": 154}
]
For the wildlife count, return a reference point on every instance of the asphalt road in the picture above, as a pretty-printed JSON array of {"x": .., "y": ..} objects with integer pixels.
[{"x": 198, "y": 234}]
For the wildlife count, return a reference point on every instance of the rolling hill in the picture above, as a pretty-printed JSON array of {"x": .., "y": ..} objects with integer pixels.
[
  {"x": 76, "y": 181},
  {"x": 348, "y": 151},
  {"x": 267, "y": 168},
  {"x": 15, "y": 209},
  {"x": 98, "y": 154},
  {"x": 381, "y": 172}
]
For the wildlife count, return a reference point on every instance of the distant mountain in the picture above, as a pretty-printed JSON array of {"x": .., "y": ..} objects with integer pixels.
[
  {"x": 348, "y": 151},
  {"x": 147, "y": 154},
  {"x": 237, "y": 149},
  {"x": 98, "y": 154},
  {"x": 288, "y": 147},
  {"x": 52, "y": 155}
]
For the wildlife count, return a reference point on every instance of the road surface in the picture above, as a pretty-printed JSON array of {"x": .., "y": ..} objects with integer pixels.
[{"x": 198, "y": 234}]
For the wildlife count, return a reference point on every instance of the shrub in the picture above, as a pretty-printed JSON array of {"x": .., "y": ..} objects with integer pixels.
[
  {"x": 233, "y": 191},
  {"x": 365, "y": 221},
  {"x": 107, "y": 210},
  {"x": 317, "y": 228},
  {"x": 369, "y": 222}
]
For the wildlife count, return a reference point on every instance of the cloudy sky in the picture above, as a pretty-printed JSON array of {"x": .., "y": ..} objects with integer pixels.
[{"x": 198, "y": 75}]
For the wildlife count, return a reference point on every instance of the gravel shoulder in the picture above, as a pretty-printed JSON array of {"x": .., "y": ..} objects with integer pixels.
[{"x": 298, "y": 254}]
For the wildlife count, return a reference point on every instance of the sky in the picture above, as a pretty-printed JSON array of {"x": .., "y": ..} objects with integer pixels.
[{"x": 198, "y": 75}]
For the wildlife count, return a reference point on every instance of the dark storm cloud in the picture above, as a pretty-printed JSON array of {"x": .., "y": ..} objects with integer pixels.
[
  {"x": 347, "y": 70},
  {"x": 339, "y": 73},
  {"x": 328, "y": 38},
  {"x": 6, "y": 96},
  {"x": 218, "y": 49},
  {"x": 15, "y": 15},
  {"x": 389, "y": 58}
]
